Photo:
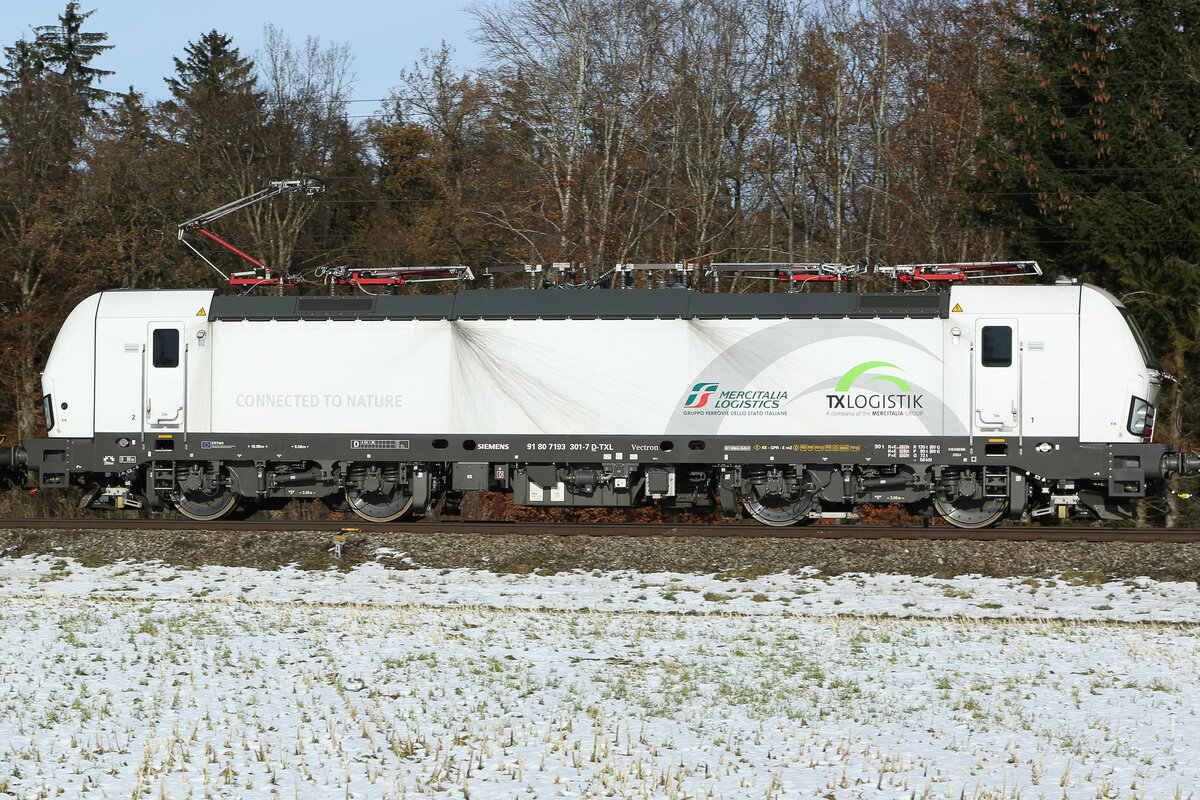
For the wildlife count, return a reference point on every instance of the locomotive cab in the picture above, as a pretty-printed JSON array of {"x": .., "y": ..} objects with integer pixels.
[
  {"x": 126, "y": 380},
  {"x": 1119, "y": 376},
  {"x": 129, "y": 364},
  {"x": 68, "y": 382}
]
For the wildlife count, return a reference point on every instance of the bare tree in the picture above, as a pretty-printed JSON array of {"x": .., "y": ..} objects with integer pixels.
[
  {"x": 943, "y": 58},
  {"x": 306, "y": 90},
  {"x": 879, "y": 79},
  {"x": 575, "y": 72},
  {"x": 792, "y": 111},
  {"x": 716, "y": 101},
  {"x": 451, "y": 107}
]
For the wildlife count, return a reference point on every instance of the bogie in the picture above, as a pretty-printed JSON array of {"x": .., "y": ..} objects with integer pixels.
[
  {"x": 378, "y": 492},
  {"x": 200, "y": 490}
]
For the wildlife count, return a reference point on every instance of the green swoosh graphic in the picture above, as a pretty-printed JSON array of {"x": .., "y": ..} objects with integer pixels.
[
  {"x": 856, "y": 372},
  {"x": 904, "y": 387}
]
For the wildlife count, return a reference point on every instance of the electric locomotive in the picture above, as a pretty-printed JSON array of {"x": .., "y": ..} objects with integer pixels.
[{"x": 976, "y": 404}]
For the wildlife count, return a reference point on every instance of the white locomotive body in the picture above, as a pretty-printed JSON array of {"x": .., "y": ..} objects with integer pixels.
[{"x": 977, "y": 403}]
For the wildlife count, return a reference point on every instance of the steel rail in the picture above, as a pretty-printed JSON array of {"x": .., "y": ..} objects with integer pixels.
[{"x": 726, "y": 530}]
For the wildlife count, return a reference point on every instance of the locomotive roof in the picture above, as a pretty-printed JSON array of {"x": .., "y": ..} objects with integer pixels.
[{"x": 584, "y": 304}]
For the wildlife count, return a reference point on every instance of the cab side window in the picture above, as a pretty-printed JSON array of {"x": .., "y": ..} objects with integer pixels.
[
  {"x": 997, "y": 346},
  {"x": 165, "y": 348}
]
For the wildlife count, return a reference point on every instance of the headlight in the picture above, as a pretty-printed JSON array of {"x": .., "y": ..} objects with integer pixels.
[
  {"x": 1141, "y": 419},
  {"x": 48, "y": 410}
]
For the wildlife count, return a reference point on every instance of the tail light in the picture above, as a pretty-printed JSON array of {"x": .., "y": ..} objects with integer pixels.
[{"x": 1141, "y": 419}]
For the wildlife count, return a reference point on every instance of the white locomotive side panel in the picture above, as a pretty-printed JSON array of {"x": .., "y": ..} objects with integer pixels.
[
  {"x": 631, "y": 377},
  {"x": 1042, "y": 381},
  {"x": 566, "y": 377},
  {"x": 802, "y": 378},
  {"x": 814, "y": 378},
  {"x": 1049, "y": 382},
  {"x": 127, "y": 381},
  {"x": 120, "y": 345},
  {"x": 331, "y": 377}
]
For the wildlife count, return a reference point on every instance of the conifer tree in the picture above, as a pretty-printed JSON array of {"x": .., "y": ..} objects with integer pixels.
[
  {"x": 1089, "y": 163},
  {"x": 50, "y": 94},
  {"x": 49, "y": 99},
  {"x": 70, "y": 49},
  {"x": 213, "y": 68}
]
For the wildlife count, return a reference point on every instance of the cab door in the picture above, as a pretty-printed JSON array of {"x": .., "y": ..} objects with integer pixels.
[
  {"x": 996, "y": 376},
  {"x": 166, "y": 376}
]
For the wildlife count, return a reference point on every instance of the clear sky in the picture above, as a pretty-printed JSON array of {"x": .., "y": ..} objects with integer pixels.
[{"x": 385, "y": 36}]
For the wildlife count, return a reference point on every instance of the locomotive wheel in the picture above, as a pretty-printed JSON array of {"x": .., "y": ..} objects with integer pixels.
[
  {"x": 779, "y": 497},
  {"x": 777, "y": 515},
  {"x": 776, "y": 511},
  {"x": 205, "y": 508},
  {"x": 969, "y": 512},
  {"x": 377, "y": 507}
]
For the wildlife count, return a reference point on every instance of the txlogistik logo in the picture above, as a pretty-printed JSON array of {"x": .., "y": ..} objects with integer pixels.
[{"x": 879, "y": 403}]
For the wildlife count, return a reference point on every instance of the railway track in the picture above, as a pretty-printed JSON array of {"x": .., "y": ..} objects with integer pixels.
[{"x": 731, "y": 531}]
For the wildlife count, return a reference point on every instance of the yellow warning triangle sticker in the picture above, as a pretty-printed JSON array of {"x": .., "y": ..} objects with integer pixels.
[
  {"x": 957, "y": 307},
  {"x": 200, "y": 313}
]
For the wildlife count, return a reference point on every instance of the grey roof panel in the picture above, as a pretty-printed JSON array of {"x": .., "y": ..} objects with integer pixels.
[
  {"x": 772, "y": 306},
  {"x": 414, "y": 306},
  {"x": 905, "y": 304},
  {"x": 318, "y": 307},
  {"x": 571, "y": 304},
  {"x": 583, "y": 304},
  {"x": 236, "y": 307}
]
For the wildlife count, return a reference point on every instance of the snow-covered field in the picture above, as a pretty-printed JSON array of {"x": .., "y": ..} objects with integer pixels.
[{"x": 136, "y": 680}]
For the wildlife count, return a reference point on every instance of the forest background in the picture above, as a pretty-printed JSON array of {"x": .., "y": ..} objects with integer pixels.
[{"x": 607, "y": 131}]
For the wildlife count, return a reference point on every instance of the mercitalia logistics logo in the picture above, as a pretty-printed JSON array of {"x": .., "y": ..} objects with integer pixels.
[
  {"x": 709, "y": 398},
  {"x": 701, "y": 394}
]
